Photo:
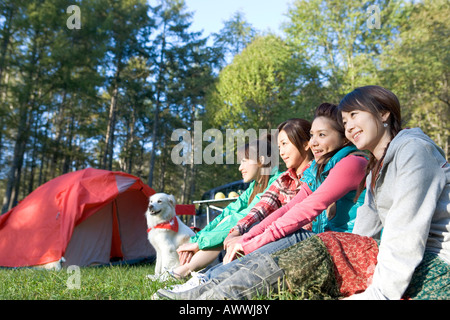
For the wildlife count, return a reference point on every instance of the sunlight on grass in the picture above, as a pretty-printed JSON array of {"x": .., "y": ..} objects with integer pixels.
[{"x": 97, "y": 283}]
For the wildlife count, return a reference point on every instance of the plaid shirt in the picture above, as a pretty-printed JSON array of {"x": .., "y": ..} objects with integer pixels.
[{"x": 280, "y": 192}]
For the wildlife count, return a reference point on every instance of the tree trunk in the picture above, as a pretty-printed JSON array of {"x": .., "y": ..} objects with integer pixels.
[
  {"x": 192, "y": 171},
  {"x": 17, "y": 162},
  {"x": 5, "y": 42},
  {"x": 109, "y": 140},
  {"x": 68, "y": 147},
  {"x": 159, "y": 89},
  {"x": 33, "y": 160},
  {"x": 25, "y": 106},
  {"x": 185, "y": 186},
  {"x": 59, "y": 125},
  {"x": 129, "y": 157},
  {"x": 108, "y": 152}
]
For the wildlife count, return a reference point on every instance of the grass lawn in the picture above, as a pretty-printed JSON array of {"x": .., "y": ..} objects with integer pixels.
[
  {"x": 95, "y": 283},
  {"x": 32, "y": 292},
  {"x": 120, "y": 282}
]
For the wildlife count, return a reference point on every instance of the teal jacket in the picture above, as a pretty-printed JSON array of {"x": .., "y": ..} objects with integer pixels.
[
  {"x": 346, "y": 208},
  {"x": 214, "y": 233}
]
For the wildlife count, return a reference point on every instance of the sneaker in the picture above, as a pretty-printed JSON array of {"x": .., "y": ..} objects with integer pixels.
[
  {"x": 189, "y": 294},
  {"x": 196, "y": 280}
]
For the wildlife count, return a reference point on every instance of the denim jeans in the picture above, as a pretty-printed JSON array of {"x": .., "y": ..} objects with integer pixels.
[
  {"x": 217, "y": 271},
  {"x": 244, "y": 280},
  {"x": 298, "y": 266}
]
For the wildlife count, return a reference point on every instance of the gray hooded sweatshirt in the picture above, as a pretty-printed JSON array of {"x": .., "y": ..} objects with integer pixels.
[{"x": 411, "y": 206}]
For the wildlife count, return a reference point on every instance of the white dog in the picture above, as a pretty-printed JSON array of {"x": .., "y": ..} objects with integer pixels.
[{"x": 166, "y": 232}]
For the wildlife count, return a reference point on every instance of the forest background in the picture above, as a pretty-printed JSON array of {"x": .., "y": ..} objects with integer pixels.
[{"x": 110, "y": 92}]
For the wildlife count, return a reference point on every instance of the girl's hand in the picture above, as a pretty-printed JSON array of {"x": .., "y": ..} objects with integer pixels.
[
  {"x": 231, "y": 242},
  {"x": 233, "y": 251},
  {"x": 185, "y": 257},
  {"x": 186, "y": 252},
  {"x": 235, "y": 233}
]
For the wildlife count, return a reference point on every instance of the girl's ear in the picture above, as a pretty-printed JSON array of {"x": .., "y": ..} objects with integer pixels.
[
  {"x": 306, "y": 146},
  {"x": 384, "y": 116}
]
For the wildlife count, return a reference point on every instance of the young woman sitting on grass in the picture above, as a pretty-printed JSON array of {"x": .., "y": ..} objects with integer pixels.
[{"x": 407, "y": 203}]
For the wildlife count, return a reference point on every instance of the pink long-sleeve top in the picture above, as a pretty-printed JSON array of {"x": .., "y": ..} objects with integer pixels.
[{"x": 307, "y": 205}]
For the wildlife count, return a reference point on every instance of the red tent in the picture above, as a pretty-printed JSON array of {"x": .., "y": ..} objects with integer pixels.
[{"x": 87, "y": 217}]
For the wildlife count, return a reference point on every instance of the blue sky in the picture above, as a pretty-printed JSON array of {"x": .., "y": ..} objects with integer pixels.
[{"x": 264, "y": 15}]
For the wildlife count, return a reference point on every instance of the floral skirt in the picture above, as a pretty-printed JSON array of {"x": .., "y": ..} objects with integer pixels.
[{"x": 334, "y": 265}]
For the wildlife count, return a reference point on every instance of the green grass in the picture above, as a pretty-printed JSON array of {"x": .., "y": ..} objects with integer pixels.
[
  {"x": 96, "y": 283},
  {"x": 120, "y": 282}
]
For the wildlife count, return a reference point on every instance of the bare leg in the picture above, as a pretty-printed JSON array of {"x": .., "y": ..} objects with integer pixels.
[{"x": 200, "y": 260}]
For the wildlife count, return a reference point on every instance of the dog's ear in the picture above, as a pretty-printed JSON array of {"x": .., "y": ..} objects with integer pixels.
[{"x": 172, "y": 200}]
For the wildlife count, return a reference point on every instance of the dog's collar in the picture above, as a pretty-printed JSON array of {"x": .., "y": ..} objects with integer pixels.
[{"x": 172, "y": 224}]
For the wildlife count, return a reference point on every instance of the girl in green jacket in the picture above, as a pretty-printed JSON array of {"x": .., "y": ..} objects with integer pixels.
[{"x": 206, "y": 245}]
